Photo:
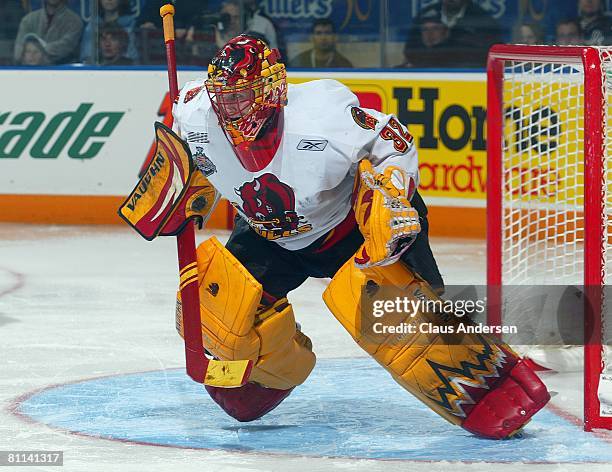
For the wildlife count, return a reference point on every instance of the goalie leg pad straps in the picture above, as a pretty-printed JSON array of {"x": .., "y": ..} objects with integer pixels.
[
  {"x": 285, "y": 355},
  {"x": 469, "y": 379},
  {"x": 235, "y": 328}
]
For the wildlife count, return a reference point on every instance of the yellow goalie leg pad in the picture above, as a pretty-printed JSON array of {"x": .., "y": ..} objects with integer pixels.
[
  {"x": 228, "y": 374},
  {"x": 285, "y": 356},
  {"x": 233, "y": 328},
  {"x": 433, "y": 367}
]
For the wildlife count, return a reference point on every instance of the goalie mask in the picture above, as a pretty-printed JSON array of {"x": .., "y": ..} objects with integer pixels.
[{"x": 247, "y": 86}]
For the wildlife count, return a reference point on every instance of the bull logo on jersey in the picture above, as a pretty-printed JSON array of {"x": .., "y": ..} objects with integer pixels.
[
  {"x": 363, "y": 119},
  {"x": 269, "y": 205}
]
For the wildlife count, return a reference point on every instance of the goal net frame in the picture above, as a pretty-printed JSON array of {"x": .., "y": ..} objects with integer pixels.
[{"x": 594, "y": 62}]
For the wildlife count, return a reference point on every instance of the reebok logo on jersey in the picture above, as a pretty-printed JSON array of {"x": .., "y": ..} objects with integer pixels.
[{"x": 312, "y": 145}]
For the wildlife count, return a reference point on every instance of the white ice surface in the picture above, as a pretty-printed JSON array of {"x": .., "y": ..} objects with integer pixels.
[{"x": 80, "y": 302}]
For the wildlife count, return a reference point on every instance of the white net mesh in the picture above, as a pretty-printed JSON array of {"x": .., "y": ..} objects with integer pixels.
[
  {"x": 543, "y": 169},
  {"x": 543, "y": 184}
]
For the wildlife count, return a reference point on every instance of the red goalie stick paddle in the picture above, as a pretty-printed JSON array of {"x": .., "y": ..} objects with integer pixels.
[{"x": 198, "y": 366}]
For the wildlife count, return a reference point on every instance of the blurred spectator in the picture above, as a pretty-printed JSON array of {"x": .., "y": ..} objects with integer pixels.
[
  {"x": 234, "y": 21},
  {"x": 434, "y": 33},
  {"x": 58, "y": 26},
  {"x": 528, "y": 33},
  {"x": 12, "y": 12},
  {"x": 435, "y": 48},
  {"x": 228, "y": 22},
  {"x": 187, "y": 17},
  {"x": 110, "y": 11},
  {"x": 568, "y": 33},
  {"x": 595, "y": 25},
  {"x": 323, "y": 52},
  {"x": 470, "y": 26},
  {"x": 33, "y": 53},
  {"x": 186, "y": 10},
  {"x": 230, "y": 25},
  {"x": 113, "y": 45},
  {"x": 258, "y": 22}
]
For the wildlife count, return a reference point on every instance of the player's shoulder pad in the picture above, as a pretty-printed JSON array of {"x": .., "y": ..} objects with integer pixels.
[
  {"x": 321, "y": 95},
  {"x": 319, "y": 108},
  {"x": 192, "y": 96}
]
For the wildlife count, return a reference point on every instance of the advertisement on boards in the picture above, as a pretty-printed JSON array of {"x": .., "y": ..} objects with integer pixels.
[{"x": 88, "y": 132}]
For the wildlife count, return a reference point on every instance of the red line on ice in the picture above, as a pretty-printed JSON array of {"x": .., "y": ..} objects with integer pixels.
[
  {"x": 19, "y": 282},
  {"x": 15, "y": 403}
]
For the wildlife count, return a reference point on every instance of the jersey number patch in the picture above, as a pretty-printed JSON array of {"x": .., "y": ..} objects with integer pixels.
[{"x": 400, "y": 136}]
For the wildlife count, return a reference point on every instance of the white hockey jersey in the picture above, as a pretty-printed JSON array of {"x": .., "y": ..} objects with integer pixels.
[{"x": 305, "y": 190}]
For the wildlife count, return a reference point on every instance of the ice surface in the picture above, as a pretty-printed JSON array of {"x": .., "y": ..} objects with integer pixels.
[
  {"x": 78, "y": 303},
  {"x": 348, "y": 407}
]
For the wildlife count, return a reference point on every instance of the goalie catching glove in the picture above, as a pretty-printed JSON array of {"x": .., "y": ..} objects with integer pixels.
[{"x": 388, "y": 223}]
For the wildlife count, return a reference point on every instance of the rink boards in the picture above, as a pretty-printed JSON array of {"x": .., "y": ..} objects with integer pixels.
[{"x": 72, "y": 141}]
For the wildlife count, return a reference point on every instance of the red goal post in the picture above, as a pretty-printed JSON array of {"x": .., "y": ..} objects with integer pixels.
[{"x": 549, "y": 187}]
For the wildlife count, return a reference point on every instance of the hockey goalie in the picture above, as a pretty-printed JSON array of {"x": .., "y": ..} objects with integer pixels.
[{"x": 322, "y": 188}]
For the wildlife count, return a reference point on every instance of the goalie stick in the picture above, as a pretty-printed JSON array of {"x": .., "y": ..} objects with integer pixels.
[{"x": 198, "y": 366}]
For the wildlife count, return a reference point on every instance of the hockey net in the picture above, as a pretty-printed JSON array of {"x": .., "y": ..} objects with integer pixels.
[{"x": 549, "y": 206}]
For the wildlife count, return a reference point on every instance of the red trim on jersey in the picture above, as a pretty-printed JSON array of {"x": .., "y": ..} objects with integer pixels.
[{"x": 338, "y": 233}]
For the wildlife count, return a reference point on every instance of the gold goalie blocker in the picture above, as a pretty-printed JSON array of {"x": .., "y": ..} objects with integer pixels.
[{"x": 170, "y": 193}]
